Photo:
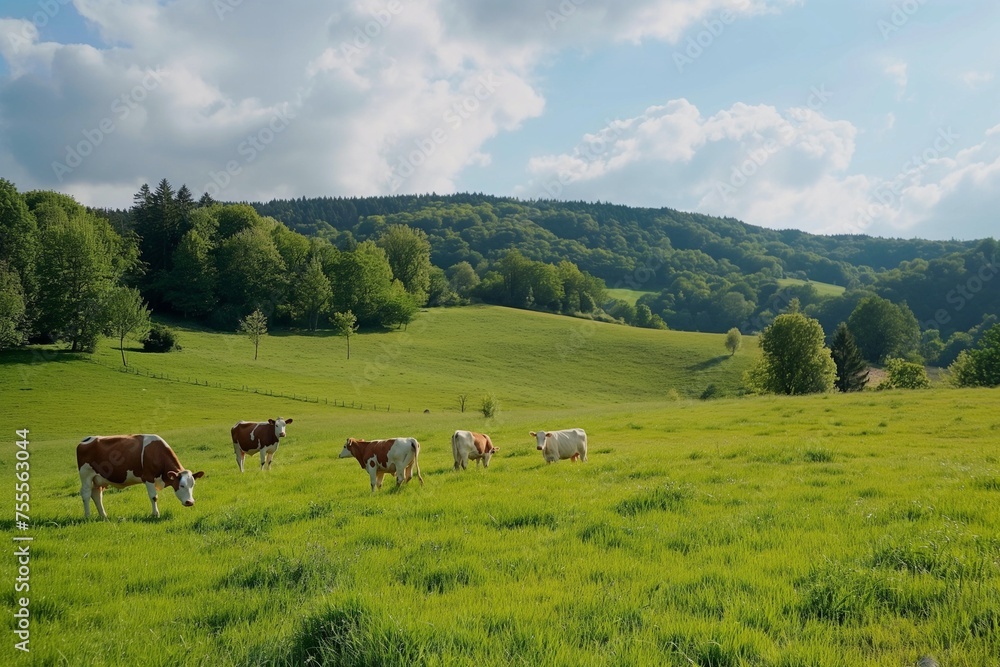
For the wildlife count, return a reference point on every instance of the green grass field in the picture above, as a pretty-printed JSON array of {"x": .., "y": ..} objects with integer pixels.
[
  {"x": 823, "y": 289},
  {"x": 629, "y": 295},
  {"x": 820, "y": 531}
]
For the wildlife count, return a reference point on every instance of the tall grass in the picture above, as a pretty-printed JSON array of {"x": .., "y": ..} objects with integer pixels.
[{"x": 755, "y": 532}]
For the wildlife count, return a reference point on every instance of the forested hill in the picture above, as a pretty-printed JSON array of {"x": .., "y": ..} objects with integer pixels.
[{"x": 607, "y": 240}]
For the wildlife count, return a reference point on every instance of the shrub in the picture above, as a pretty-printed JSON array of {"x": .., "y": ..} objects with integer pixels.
[
  {"x": 905, "y": 375},
  {"x": 160, "y": 339},
  {"x": 490, "y": 406}
]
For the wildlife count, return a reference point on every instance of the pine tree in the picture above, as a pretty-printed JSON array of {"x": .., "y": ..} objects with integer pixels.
[{"x": 852, "y": 370}]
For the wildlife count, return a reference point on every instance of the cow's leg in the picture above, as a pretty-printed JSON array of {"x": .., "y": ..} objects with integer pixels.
[
  {"x": 270, "y": 455},
  {"x": 86, "y": 488},
  {"x": 98, "y": 496},
  {"x": 575, "y": 457},
  {"x": 376, "y": 478},
  {"x": 263, "y": 457},
  {"x": 240, "y": 455},
  {"x": 151, "y": 490}
]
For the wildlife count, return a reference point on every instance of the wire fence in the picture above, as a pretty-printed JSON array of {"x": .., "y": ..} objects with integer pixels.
[{"x": 303, "y": 398}]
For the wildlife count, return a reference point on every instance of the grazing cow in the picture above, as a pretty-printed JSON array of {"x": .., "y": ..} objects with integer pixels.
[
  {"x": 396, "y": 455},
  {"x": 467, "y": 445},
  {"x": 252, "y": 437},
  {"x": 124, "y": 460},
  {"x": 556, "y": 445}
]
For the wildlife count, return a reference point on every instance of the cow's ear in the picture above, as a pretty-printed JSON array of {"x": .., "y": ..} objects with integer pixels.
[
  {"x": 271, "y": 422},
  {"x": 532, "y": 434},
  {"x": 289, "y": 421},
  {"x": 171, "y": 476},
  {"x": 199, "y": 474},
  {"x": 548, "y": 435}
]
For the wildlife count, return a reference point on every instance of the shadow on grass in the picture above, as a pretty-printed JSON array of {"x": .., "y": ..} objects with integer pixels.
[
  {"x": 67, "y": 521},
  {"x": 40, "y": 355},
  {"x": 709, "y": 363}
]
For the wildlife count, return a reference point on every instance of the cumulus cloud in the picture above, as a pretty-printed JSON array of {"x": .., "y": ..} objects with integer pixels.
[
  {"x": 782, "y": 169},
  {"x": 252, "y": 100}
]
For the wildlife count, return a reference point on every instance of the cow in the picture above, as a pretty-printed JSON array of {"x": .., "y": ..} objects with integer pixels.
[
  {"x": 567, "y": 444},
  {"x": 395, "y": 455},
  {"x": 252, "y": 437},
  {"x": 124, "y": 460},
  {"x": 467, "y": 445}
]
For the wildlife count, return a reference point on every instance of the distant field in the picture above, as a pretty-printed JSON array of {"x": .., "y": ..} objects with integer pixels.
[
  {"x": 629, "y": 295},
  {"x": 825, "y": 531},
  {"x": 823, "y": 289}
]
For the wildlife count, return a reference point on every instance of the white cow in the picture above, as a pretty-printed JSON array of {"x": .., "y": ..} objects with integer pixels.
[
  {"x": 568, "y": 444},
  {"x": 467, "y": 445}
]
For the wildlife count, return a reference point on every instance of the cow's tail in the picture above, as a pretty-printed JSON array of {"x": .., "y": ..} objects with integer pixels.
[
  {"x": 454, "y": 447},
  {"x": 416, "y": 464}
]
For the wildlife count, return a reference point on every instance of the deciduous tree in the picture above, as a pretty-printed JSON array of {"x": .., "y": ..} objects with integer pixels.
[
  {"x": 254, "y": 327},
  {"x": 883, "y": 329},
  {"x": 794, "y": 359},
  {"x": 125, "y": 314},
  {"x": 734, "y": 340},
  {"x": 345, "y": 324}
]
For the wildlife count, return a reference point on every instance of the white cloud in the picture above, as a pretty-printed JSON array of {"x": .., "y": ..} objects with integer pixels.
[
  {"x": 898, "y": 71},
  {"x": 313, "y": 98},
  {"x": 977, "y": 80},
  {"x": 780, "y": 169}
]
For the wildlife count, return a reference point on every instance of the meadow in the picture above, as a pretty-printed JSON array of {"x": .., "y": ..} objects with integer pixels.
[
  {"x": 812, "y": 531},
  {"x": 822, "y": 289}
]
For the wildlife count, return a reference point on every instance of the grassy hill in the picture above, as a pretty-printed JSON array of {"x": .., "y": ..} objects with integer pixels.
[
  {"x": 822, "y": 289},
  {"x": 827, "y": 530}
]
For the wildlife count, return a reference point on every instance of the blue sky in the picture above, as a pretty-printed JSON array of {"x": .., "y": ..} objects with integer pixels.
[{"x": 861, "y": 116}]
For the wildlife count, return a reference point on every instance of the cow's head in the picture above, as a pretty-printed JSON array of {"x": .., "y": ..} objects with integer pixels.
[
  {"x": 541, "y": 437},
  {"x": 183, "y": 485},
  {"x": 348, "y": 450},
  {"x": 488, "y": 451},
  {"x": 279, "y": 426}
]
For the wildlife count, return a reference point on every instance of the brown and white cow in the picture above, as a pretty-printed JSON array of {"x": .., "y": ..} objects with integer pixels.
[
  {"x": 556, "y": 445},
  {"x": 395, "y": 455},
  {"x": 124, "y": 460},
  {"x": 467, "y": 445},
  {"x": 252, "y": 437}
]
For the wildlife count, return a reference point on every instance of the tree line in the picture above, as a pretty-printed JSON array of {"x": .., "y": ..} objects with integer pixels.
[
  {"x": 63, "y": 269},
  {"x": 703, "y": 273}
]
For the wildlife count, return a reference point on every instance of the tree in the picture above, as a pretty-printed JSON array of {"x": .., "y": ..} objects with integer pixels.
[
  {"x": 734, "y": 340},
  {"x": 852, "y": 370},
  {"x": 254, "y": 327},
  {"x": 345, "y": 324},
  {"x": 463, "y": 278},
  {"x": 399, "y": 308},
  {"x": 979, "y": 367},
  {"x": 192, "y": 283},
  {"x": 18, "y": 238},
  {"x": 77, "y": 267},
  {"x": 794, "y": 359},
  {"x": 409, "y": 253},
  {"x": 364, "y": 282},
  {"x": 251, "y": 271},
  {"x": 883, "y": 329},
  {"x": 902, "y": 374},
  {"x": 12, "y": 309},
  {"x": 311, "y": 294},
  {"x": 125, "y": 314}
]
